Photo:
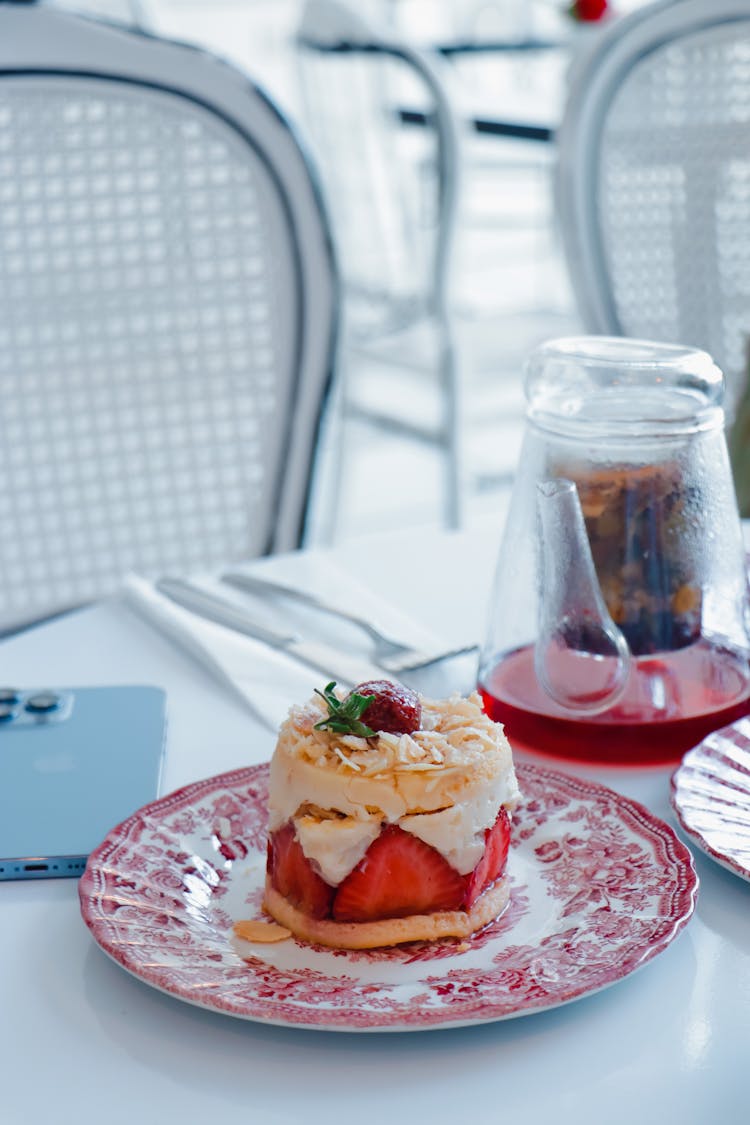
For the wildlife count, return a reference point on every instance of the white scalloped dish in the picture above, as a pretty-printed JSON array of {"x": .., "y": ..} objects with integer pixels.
[
  {"x": 599, "y": 886},
  {"x": 711, "y": 796}
]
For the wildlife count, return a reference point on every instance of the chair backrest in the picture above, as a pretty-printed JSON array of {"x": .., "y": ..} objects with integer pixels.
[
  {"x": 654, "y": 178},
  {"x": 168, "y": 311},
  {"x": 393, "y": 188}
]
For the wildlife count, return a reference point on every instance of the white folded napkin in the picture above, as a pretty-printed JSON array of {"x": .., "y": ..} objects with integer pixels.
[{"x": 267, "y": 680}]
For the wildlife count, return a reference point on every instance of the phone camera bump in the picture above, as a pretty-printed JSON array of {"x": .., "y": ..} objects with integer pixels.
[{"x": 43, "y": 702}]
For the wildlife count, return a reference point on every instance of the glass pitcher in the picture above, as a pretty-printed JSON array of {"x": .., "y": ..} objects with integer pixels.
[{"x": 619, "y": 617}]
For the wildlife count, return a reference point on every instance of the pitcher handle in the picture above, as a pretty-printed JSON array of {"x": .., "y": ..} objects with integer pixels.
[{"x": 581, "y": 658}]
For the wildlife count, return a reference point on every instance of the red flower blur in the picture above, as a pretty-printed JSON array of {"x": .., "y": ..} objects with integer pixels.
[{"x": 588, "y": 11}]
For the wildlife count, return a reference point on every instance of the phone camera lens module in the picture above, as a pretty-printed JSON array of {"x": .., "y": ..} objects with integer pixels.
[
  {"x": 8, "y": 695},
  {"x": 43, "y": 702}
]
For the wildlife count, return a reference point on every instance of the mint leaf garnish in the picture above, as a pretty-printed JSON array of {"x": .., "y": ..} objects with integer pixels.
[{"x": 344, "y": 714}]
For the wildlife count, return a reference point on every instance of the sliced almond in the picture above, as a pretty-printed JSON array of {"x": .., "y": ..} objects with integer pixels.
[{"x": 250, "y": 930}]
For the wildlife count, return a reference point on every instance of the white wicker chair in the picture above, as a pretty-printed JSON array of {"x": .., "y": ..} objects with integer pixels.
[
  {"x": 654, "y": 178},
  {"x": 167, "y": 312}
]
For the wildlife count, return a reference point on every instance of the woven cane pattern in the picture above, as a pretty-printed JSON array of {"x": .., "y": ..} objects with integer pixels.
[
  {"x": 144, "y": 280},
  {"x": 674, "y": 186}
]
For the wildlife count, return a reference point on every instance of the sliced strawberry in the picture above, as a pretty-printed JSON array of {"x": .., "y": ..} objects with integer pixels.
[
  {"x": 398, "y": 875},
  {"x": 492, "y": 864},
  {"x": 294, "y": 878}
]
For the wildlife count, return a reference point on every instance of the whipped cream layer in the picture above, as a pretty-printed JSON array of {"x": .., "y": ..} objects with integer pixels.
[{"x": 445, "y": 783}]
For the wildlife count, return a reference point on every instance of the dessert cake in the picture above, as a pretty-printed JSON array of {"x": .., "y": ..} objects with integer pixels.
[{"x": 389, "y": 818}]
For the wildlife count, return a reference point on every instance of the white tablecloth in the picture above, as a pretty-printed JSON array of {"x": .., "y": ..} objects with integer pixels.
[{"x": 82, "y": 1041}]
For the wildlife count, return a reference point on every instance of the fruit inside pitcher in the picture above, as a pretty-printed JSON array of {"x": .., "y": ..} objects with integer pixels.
[{"x": 639, "y": 526}]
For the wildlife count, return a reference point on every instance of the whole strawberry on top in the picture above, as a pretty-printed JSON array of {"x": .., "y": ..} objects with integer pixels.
[
  {"x": 372, "y": 707},
  {"x": 389, "y": 817}
]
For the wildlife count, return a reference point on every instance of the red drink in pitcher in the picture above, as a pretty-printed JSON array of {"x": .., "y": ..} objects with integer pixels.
[{"x": 672, "y": 700}]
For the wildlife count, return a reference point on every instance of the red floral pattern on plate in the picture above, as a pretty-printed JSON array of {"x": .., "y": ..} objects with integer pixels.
[
  {"x": 711, "y": 796},
  {"x": 599, "y": 887}
]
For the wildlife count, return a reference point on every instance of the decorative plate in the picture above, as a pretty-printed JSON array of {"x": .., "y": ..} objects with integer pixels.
[
  {"x": 599, "y": 887},
  {"x": 711, "y": 796}
]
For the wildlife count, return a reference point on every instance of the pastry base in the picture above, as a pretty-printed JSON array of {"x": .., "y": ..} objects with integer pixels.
[{"x": 388, "y": 931}]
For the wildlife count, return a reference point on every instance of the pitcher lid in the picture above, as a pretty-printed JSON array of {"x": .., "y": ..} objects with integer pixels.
[{"x": 633, "y": 384}]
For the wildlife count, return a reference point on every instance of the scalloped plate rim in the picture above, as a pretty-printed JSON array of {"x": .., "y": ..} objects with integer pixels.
[
  {"x": 442, "y": 1021},
  {"x": 694, "y": 834}
]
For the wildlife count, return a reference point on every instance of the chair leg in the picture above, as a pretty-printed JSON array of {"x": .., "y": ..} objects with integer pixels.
[
  {"x": 326, "y": 520},
  {"x": 453, "y": 428}
]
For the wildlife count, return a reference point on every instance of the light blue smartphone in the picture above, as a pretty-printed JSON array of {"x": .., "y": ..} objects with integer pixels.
[{"x": 74, "y": 762}]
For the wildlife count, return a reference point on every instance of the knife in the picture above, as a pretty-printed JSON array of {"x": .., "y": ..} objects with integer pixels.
[{"x": 339, "y": 666}]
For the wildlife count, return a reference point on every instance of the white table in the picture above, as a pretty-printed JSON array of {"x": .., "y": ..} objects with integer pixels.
[{"x": 83, "y": 1041}]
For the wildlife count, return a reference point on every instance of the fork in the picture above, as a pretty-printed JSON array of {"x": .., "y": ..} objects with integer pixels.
[{"x": 392, "y": 655}]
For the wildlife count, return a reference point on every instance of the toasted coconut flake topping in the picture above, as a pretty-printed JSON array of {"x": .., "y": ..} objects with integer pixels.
[
  {"x": 347, "y": 761},
  {"x": 453, "y": 732}
]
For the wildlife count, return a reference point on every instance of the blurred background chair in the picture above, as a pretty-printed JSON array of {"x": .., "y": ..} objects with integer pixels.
[
  {"x": 423, "y": 208},
  {"x": 393, "y": 197},
  {"x": 168, "y": 307},
  {"x": 654, "y": 179}
]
